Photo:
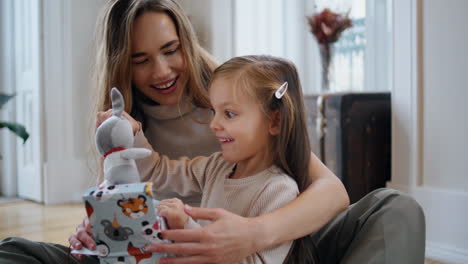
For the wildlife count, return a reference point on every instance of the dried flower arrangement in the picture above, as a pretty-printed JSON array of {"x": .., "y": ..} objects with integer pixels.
[{"x": 327, "y": 27}]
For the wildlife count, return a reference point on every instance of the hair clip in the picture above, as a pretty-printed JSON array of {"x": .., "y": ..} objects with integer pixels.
[{"x": 281, "y": 90}]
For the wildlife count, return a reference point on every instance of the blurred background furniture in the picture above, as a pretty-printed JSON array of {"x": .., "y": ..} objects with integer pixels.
[{"x": 351, "y": 133}]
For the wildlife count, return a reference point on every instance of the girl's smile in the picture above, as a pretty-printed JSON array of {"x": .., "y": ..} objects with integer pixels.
[{"x": 224, "y": 140}]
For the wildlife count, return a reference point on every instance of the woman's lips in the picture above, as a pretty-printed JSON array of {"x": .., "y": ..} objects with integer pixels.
[{"x": 166, "y": 90}]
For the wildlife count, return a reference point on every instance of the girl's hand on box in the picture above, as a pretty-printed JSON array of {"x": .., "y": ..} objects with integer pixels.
[
  {"x": 82, "y": 238},
  {"x": 173, "y": 211}
]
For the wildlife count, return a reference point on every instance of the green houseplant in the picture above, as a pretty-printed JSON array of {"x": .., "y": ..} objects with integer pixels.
[{"x": 16, "y": 128}]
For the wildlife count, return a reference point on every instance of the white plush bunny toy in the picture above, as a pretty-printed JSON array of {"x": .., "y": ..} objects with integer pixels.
[{"x": 114, "y": 141}]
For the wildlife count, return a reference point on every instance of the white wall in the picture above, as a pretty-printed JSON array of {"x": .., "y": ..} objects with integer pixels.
[
  {"x": 445, "y": 81},
  {"x": 68, "y": 58},
  {"x": 213, "y": 23},
  {"x": 429, "y": 119},
  {"x": 445, "y": 121}
]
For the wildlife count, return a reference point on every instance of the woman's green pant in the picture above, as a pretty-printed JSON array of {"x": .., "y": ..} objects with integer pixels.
[{"x": 385, "y": 226}]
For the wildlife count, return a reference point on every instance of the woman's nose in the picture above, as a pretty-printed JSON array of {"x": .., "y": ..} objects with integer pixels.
[{"x": 161, "y": 69}]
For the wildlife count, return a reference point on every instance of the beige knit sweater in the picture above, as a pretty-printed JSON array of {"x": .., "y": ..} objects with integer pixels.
[
  {"x": 175, "y": 132},
  {"x": 252, "y": 196}
]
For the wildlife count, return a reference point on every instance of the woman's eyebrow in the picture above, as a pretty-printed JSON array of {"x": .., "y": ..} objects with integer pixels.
[{"x": 168, "y": 44}]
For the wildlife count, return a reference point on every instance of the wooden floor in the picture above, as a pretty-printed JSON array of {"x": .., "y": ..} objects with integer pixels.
[
  {"x": 54, "y": 223},
  {"x": 49, "y": 223}
]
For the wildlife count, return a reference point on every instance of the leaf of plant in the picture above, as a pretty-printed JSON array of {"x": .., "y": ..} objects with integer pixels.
[
  {"x": 18, "y": 129},
  {"x": 4, "y": 98}
]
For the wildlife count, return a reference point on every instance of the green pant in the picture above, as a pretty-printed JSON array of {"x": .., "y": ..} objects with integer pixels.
[
  {"x": 385, "y": 226},
  {"x": 15, "y": 250}
]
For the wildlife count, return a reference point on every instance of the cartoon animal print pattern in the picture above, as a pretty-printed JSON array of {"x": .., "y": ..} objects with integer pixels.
[
  {"x": 152, "y": 232},
  {"x": 140, "y": 256},
  {"x": 104, "y": 192},
  {"x": 134, "y": 207},
  {"x": 90, "y": 212},
  {"x": 123, "y": 219},
  {"x": 116, "y": 232},
  {"x": 102, "y": 248},
  {"x": 120, "y": 260}
]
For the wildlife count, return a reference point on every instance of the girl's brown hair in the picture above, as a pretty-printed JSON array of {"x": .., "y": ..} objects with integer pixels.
[
  {"x": 113, "y": 63},
  {"x": 259, "y": 77}
]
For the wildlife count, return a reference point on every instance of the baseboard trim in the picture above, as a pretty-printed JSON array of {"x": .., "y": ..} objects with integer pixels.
[
  {"x": 449, "y": 255},
  {"x": 446, "y": 232}
]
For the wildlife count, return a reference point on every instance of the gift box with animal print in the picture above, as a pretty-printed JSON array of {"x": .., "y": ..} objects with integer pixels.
[{"x": 123, "y": 220}]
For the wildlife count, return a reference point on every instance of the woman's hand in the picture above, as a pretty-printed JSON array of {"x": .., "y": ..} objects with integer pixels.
[
  {"x": 103, "y": 116},
  {"x": 229, "y": 239},
  {"x": 82, "y": 238},
  {"x": 173, "y": 211}
]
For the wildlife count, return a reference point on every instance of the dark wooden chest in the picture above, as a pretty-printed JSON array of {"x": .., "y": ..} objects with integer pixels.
[{"x": 351, "y": 134}]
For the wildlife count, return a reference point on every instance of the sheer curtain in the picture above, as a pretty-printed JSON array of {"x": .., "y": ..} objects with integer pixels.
[{"x": 280, "y": 28}]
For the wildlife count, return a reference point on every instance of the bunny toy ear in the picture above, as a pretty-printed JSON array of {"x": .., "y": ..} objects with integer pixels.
[{"x": 117, "y": 102}]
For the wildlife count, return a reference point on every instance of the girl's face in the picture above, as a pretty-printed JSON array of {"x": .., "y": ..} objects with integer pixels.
[
  {"x": 242, "y": 128},
  {"x": 158, "y": 69}
]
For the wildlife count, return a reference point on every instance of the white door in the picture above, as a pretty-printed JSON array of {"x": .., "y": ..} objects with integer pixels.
[{"x": 27, "y": 24}]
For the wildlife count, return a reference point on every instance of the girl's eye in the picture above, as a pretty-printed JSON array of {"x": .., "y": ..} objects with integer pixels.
[
  {"x": 213, "y": 112},
  {"x": 141, "y": 62},
  {"x": 229, "y": 114}
]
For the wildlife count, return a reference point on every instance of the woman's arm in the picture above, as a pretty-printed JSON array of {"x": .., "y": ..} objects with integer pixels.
[
  {"x": 312, "y": 209},
  {"x": 231, "y": 238}
]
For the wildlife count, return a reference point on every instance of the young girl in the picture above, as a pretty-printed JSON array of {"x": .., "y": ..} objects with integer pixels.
[{"x": 259, "y": 120}]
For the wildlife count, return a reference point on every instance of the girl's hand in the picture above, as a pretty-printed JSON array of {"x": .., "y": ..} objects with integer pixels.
[
  {"x": 229, "y": 239},
  {"x": 82, "y": 238},
  {"x": 173, "y": 211},
  {"x": 103, "y": 116}
]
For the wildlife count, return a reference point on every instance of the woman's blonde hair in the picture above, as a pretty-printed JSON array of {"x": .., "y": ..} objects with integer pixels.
[
  {"x": 259, "y": 77},
  {"x": 113, "y": 67},
  {"x": 113, "y": 61}
]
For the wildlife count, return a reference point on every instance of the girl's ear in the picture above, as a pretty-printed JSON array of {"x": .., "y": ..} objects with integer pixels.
[{"x": 275, "y": 119}]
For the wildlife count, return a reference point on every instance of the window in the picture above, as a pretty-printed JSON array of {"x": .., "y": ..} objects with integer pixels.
[
  {"x": 347, "y": 67},
  {"x": 279, "y": 28}
]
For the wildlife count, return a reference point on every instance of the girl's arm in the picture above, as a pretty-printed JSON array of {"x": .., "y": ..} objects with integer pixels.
[
  {"x": 184, "y": 176},
  {"x": 231, "y": 238}
]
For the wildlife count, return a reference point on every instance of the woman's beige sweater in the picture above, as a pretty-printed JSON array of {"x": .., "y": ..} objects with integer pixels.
[{"x": 176, "y": 131}]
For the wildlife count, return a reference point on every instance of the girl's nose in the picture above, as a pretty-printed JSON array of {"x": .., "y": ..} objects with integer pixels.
[{"x": 214, "y": 124}]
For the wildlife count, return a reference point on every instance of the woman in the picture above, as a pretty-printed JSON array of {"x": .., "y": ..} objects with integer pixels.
[{"x": 149, "y": 50}]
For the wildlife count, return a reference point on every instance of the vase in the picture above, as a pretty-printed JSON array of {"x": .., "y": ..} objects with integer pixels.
[{"x": 326, "y": 54}]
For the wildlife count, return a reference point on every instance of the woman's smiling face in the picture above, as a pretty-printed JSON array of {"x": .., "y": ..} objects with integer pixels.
[{"x": 158, "y": 67}]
